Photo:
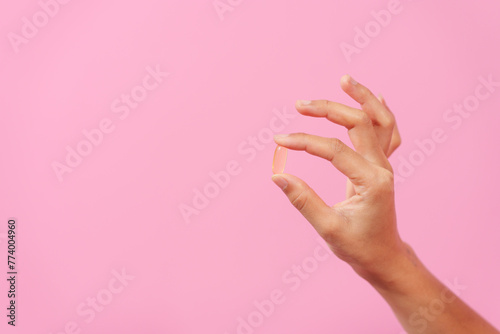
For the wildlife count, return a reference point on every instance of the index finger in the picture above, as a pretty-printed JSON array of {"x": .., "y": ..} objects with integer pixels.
[
  {"x": 357, "y": 122},
  {"x": 350, "y": 163}
]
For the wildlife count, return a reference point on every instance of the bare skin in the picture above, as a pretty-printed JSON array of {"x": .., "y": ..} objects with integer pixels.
[{"x": 362, "y": 230}]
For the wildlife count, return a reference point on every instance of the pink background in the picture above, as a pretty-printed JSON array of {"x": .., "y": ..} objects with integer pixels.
[{"x": 119, "y": 209}]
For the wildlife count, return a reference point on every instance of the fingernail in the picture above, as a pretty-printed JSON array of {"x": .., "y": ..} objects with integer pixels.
[
  {"x": 304, "y": 102},
  {"x": 380, "y": 97},
  {"x": 280, "y": 136},
  {"x": 280, "y": 181},
  {"x": 352, "y": 81}
]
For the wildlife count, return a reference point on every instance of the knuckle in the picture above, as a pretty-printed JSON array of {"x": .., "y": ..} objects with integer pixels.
[
  {"x": 384, "y": 182},
  {"x": 364, "y": 119},
  {"x": 337, "y": 146},
  {"x": 326, "y": 105},
  {"x": 334, "y": 229},
  {"x": 330, "y": 235},
  {"x": 300, "y": 201},
  {"x": 391, "y": 118},
  {"x": 387, "y": 120}
]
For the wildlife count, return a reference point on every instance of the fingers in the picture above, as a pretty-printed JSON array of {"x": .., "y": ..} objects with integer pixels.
[
  {"x": 305, "y": 199},
  {"x": 348, "y": 162},
  {"x": 395, "y": 143},
  {"x": 383, "y": 120},
  {"x": 358, "y": 123},
  {"x": 396, "y": 137}
]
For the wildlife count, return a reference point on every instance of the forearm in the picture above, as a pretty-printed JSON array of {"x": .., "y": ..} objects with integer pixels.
[{"x": 422, "y": 303}]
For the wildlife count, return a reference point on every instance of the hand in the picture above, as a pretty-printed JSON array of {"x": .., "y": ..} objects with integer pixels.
[{"x": 362, "y": 229}]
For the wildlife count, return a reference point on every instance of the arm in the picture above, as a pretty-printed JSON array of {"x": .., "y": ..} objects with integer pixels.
[
  {"x": 362, "y": 230},
  {"x": 423, "y": 304}
]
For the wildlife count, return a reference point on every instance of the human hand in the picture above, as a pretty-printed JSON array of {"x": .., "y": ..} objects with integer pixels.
[{"x": 362, "y": 229}]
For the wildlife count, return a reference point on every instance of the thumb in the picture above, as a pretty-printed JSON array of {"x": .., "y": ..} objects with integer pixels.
[{"x": 304, "y": 199}]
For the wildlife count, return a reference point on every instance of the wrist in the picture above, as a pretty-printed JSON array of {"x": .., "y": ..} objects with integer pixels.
[{"x": 397, "y": 273}]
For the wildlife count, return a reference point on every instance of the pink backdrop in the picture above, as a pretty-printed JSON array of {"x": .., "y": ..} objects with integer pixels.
[{"x": 118, "y": 117}]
